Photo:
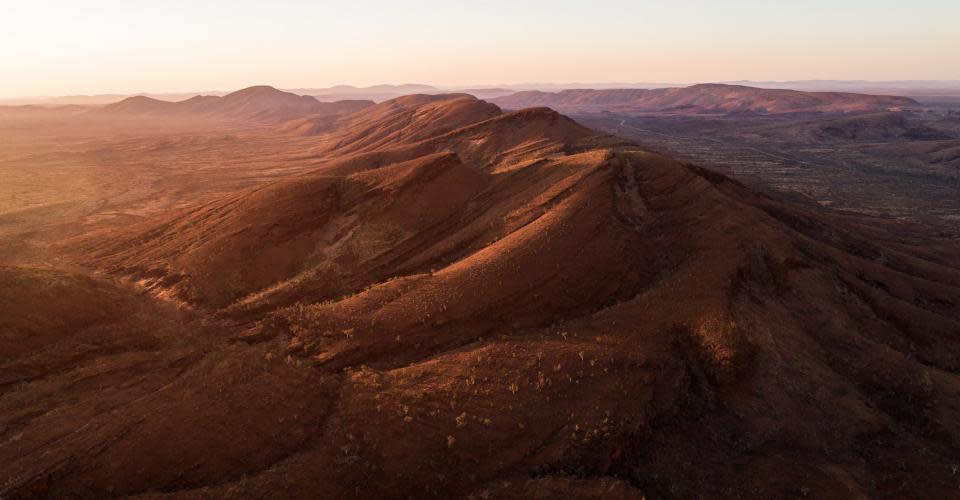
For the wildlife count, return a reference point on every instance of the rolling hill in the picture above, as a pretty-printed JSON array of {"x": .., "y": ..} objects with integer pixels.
[
  {"x": 464, "y": 302},
  {"x": 703, "y": 99},
  {"x": 253, "y": 104}
]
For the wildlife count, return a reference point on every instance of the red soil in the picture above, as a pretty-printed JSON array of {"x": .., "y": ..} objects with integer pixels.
[{"x": 462, "y": 302}]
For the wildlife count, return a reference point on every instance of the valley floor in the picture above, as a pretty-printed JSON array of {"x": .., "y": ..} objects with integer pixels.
[{"x": 888, "y": 174}]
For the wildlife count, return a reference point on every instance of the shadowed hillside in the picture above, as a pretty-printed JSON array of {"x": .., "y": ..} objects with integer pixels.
[{"x": 463, "y": 302}]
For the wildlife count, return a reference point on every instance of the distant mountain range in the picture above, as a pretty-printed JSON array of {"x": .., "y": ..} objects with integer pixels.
[
  {"x": 254, "y": 104},
  {"x": 910, "y": 88},
  {"x": 703, "y": 99},
  {"x": 101, "y": 99},
  {"x": 378, "y": 93},
  {"x": 306, "y": 114}
]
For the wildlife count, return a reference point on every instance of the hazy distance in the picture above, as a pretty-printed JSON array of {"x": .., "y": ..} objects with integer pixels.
[{"x": 109, "y": 46}]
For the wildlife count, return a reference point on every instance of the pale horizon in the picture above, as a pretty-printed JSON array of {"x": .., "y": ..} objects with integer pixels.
[
  {"x": 547, "y": 85},
  {"x": 113, "y": 47}
]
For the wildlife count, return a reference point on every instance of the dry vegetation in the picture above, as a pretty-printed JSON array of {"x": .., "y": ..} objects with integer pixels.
[{"x": 432, "y": 298}]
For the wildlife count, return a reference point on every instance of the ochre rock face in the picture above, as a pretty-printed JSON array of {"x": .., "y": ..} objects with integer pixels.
[{"x": 457, "y": 301}]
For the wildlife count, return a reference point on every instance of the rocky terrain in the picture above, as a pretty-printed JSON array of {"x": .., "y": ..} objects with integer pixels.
[
  {"x": 433, "y": 298},
  {"x": 890, "y": 164},
  {"x": 879, "y": 155}
]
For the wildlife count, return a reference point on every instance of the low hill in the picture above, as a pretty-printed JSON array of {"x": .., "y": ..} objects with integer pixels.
[
  {"x": 33, "y": 112},
  {"x": 253, "y": 104},
  {"x": 703, "y": 99}
]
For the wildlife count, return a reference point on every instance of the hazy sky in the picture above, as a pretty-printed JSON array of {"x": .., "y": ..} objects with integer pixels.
[{"x": 71, "y": 46}]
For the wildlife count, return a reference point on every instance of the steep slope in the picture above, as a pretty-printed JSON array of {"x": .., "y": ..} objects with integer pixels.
[
  {"x": 321, "y": 229},
  {"x": 703, "y": 99},
  {"x": 81, "y": 303},
  {"x": 90, "y": 370},
  {"x": 326, "y": 120},
  {"x": 515, "y": 307},
  {"x": 408, "y": 119},
  {"x": 313, "y": 227},
  {"x": 253, "y": 104}
]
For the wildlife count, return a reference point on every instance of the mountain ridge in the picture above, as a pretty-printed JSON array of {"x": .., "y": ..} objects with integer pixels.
[
  {"x": 703, "y": 99},
  {"x": 461, "y": 301},
  {"x": 260, "y": 103}
]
